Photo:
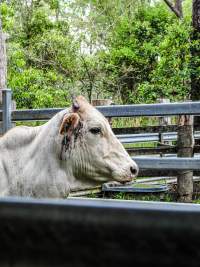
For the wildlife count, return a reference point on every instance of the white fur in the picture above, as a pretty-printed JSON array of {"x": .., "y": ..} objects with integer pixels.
[{"x": 30, "y": 163}]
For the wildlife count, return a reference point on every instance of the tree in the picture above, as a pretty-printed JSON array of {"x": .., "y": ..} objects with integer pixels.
[
  {"x": 131, "y": 50},
  {"x": 41, "y": 53},
  {"x": 195, "y": 51},
  {"x": 147, "y": 55},
  {"x": 194, "y": 45},
  {"x": 176, "y": 8}
]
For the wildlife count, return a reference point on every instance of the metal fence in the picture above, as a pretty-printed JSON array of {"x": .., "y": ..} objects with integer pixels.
[
  {"x": 150, "y": 137},
  {"x": 80, "y": 232},
  {"x": 164, "y": 109}
]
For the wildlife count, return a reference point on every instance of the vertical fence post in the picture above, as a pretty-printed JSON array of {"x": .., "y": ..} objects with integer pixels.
[
  {"x": 185, "y": 144},
  {"x": 163, "y": 121},
  {"x": 6, "y": 97}
]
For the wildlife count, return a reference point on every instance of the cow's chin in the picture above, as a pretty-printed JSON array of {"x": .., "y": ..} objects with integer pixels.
[
  {"x": 100, "y": 179},
  {"x": 123, "y": 179}
]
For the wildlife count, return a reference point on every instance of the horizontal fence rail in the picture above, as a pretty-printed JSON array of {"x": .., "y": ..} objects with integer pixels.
[
  {"x": 169, "y": 109},
  {"x": 157, "y": 150},
  {"x": 147, "y": 129},
  {"x": 150, "y": 137},
  {"x": 154, "y": 163},
  {"x": 94, "y": 232},
  {"x": 163, "y": 109}
]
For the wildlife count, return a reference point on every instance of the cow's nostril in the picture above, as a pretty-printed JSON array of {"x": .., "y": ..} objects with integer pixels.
[{"x": 133, "y": 170}]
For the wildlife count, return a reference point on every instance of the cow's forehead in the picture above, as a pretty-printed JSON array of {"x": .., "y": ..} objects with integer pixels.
[{"x": 95, "y": 117}]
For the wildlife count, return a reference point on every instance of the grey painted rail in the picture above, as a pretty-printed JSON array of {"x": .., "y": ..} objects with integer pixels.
[
  {"x": 150, "y": 137},
  {"x": 153, "y": 163},
  {"x": 57, "y": 233},
  {"x": 169, "y": 109},
  {"x": 162, "y": 109},
  {"x": 192, "y": 108}
]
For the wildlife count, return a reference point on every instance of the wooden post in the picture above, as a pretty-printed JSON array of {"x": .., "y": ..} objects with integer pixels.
[
  {"x": 185, "y": 144},
  {"x": 103, "y": 102}
]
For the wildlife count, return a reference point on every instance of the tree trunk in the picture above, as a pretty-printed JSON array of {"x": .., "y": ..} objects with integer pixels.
[
  {"x": 195, "y": 51},
  {"x": 185, "y": 143},
  {"x": 3, "y": 63},
  {"x": 195, "y": 55},
  {"x": 177, "y": 8}
]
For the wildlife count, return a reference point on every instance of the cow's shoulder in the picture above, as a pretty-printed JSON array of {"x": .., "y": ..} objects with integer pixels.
[{"x": 18, "y": 136}]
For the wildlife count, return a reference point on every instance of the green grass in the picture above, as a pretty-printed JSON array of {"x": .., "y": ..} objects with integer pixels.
[
  {"x": 133, "y": 122},
  {"x": 142, "y": 145},
  {"x": 30, "y": 123},
  {"x": 138, "y": 122},
  {"x": 143, "y": 197}
]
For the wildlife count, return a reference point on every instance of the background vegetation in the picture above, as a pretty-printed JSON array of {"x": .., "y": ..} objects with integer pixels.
[{"x": 130, "y": 50}]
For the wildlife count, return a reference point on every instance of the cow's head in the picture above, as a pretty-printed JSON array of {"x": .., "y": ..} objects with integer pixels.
[{"x": 91, "y": 147}]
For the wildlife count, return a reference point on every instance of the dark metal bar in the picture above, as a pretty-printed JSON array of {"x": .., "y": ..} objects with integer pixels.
[
  {"x": 156, "y": 150},
  {"x": 152, "y": 150},
  {"x": 94, "y": 232},
  {"x": 158, "y": 173},
  {"x": 146, "y": 129}
]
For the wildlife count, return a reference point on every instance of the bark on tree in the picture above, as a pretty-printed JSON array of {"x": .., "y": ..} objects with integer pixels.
[
  {"x": 185, "y": 143},
  {"x": 3, "y": 63},
  {"x": 195, "y": 51},
  {"x": 176, "y": 8}
]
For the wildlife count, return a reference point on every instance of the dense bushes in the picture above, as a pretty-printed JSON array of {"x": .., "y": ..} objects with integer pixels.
[{"x": 133, "y": 51}]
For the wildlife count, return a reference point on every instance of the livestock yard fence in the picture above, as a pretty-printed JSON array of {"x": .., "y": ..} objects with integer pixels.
[
  {"x": 183, "y": 165},
  {"x": 90, "y": 232},
  {"x": 132, "y": 134}
]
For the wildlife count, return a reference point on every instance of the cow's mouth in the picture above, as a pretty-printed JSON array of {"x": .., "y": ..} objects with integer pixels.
[{"x": 126, "y": 182}]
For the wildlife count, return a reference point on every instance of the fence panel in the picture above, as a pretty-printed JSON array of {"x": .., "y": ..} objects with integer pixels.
[
  {"x": 171, "y": 109},
  {"x": 167, "y": 163},
  {"x": 98, "y": 232}
]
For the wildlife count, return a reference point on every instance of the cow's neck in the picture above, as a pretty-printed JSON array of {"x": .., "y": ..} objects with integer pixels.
[
  {"x": 77, "y": 181},
  {"x": 51, "y": 142}
]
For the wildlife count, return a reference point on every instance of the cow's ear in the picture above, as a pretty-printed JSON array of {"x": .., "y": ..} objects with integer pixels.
[
  {"x": 80, "y": 105},
  {"x": 75, "y": 104},
  {"x": 69, "y": 123}
]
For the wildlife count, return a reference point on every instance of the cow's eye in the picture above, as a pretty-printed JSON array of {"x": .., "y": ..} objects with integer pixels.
[{"x": 95, "y": 130}]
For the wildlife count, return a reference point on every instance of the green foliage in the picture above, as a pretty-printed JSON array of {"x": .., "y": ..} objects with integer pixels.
[
  {"x": 41, "y": 54},
  {"x": 149, "y": 55},
  {"x": 133, "y": 51}
]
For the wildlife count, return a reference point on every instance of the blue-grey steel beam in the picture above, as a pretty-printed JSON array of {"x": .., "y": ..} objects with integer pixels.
[
  {"x": 169, "y": 109},
  {"x": 153, "y": 163},
  {"x": 150, "y": 137}
]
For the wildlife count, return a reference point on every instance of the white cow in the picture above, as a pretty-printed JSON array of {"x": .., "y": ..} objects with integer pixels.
[{"x": 73, "y": 150}]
